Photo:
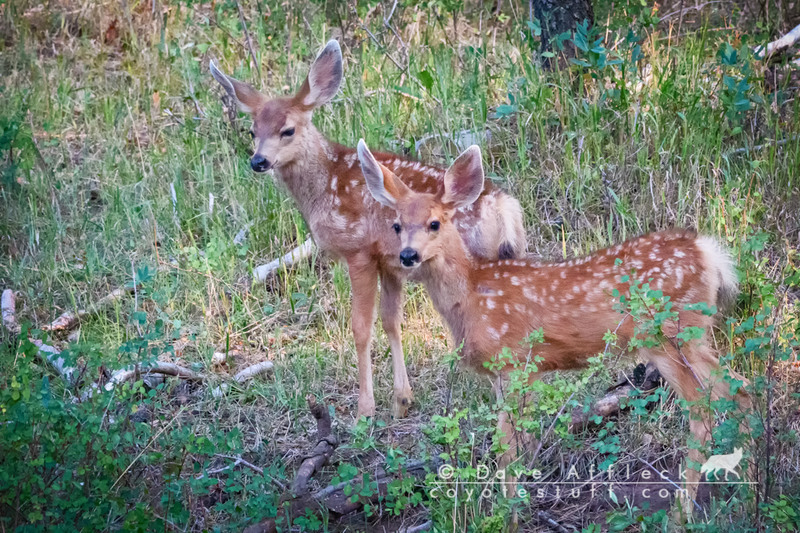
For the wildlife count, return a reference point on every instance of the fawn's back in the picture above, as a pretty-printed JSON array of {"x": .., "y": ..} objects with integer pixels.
[{"x": 574, "y": 301}]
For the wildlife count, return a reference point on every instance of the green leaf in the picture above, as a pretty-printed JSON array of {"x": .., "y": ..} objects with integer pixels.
[
  {"x": 426, "y": 79},
  {"x": 505, "y": 110}
]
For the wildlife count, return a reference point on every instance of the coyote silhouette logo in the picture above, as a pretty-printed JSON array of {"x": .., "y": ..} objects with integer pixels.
[{"x": 727, "y": 462}]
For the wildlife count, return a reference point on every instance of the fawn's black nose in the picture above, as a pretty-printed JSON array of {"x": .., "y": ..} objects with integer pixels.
[
  {"x": 408, "y": 257},
  {"x": 259, "y": 163}
]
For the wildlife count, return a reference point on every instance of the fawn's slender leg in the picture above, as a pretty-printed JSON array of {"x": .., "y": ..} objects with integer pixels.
[
  {"x": 364, "y": 281},
  {"x": 686, "y": 380},
  {"x": 691, "y": 372},
  {"x": 391, "y": 317},
  {"x": 517, "y": 441}
]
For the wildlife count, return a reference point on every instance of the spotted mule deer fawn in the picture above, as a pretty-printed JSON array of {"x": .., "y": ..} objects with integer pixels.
[
  {"x": 326, "y": 183},
  {"x": 490, "y": 306}
]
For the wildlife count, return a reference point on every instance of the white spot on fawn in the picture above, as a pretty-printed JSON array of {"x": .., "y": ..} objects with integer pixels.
[{"x": 490, "y": 303}]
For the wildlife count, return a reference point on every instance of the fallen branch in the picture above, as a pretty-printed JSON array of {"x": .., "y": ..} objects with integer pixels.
[
  {"x": 252, "y": 371},
  {"x": 49, "y": 355},
  {"x": 261, "y": 273},
  {"x": 237, "y": 461},
  {"x": 321, "y": 454},
  {"x": 610, "y": 404},
  {"x": 168, "y": 369},
  {"x": 70, "y": 319},
  {"x": 779, "y": 45},
  {"x": 747, "y": 149},
  {"x": 425, "y": 526},
  {"x": 546, "y": 518},
  {"x": 332, "y": 499},
  {"x": 8, "y": 305},
  {"x": 52, "y": 357}
]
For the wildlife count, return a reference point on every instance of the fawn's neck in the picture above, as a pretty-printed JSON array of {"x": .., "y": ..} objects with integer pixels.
[
  {"x": 308, "y": 177},
  {"x": 446, "y": 278}
]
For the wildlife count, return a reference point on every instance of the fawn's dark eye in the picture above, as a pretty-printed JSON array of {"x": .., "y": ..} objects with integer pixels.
[
  {"x": 288, "y": 132},
  {"x": 252, "y": 135},
  {"x": 396, "y": 228},
  {"x": 435, "y": 225}
]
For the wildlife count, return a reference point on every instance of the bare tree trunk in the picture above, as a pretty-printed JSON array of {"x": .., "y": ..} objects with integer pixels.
[{"x": 559, "y": 16}]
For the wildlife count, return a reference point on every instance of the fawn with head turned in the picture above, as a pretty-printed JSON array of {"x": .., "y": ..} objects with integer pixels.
[
  {"x": 326, "y": 183},
  {"x": 489, "y": 306}
]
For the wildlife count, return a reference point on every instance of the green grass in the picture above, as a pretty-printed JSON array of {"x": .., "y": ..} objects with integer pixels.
[{"x": 113, "y": 105}]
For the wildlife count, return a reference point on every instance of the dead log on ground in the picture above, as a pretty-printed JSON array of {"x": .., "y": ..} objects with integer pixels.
[
  {"x": 8, "y": 304},
  {"x": 644, "y": 378},
  {"x": 168, "y": 369},
  {"x": 778, "y": 46},
  {"x": 252, "y": 371},
  {"x": 321, "y": 454},
  {"x": 261, "y": 273}
]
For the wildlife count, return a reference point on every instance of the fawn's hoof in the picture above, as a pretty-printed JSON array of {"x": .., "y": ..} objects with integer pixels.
[
  {"x": 365, "y": 408},
  {"x": 401, "y": 404}
]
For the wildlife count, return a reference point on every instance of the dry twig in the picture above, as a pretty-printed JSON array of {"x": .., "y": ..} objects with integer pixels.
[{"x": 249, "y": 40}]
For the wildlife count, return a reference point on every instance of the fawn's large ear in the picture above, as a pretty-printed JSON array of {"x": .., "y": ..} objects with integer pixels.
[
  {"x": 323, "y": 79},
  {"x": 247, "y": 98},
  {"x": 463, "y": 181},
  {"x": 384, "y": 186}
]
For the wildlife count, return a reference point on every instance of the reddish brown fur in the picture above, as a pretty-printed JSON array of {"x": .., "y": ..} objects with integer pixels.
[
  {"x": 490, "y": 306},
  {"x": 573, "y": 301},
  {"x": 325, "y": 180}
]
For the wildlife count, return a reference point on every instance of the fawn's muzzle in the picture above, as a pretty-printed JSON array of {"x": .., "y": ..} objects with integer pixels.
[
  {"x": 409, "y": 257},
  {"x": 259, "y": 163}
]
